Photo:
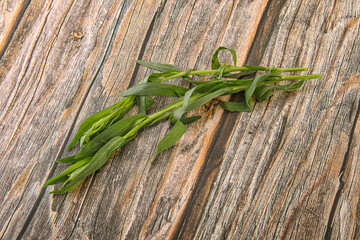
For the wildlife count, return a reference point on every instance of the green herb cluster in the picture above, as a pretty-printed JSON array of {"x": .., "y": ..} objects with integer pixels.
[{"x": 108, "y": 130}]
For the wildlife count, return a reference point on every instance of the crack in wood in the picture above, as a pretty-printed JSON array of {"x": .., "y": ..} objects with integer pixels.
[
  {"x": 212, "y": 163},
  {"x": 339, "y": 192},
  {"x": 52, "y": 170},
  {"x": 63, "y": 145},
  {"x": 4, "y": 45}
]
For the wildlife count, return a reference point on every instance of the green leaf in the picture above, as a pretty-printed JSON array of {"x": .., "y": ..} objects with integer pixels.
[
  {"x": 96, "y": 162},
  {"x": 257, "y": 81},
  {"x": 291, "y": 87},
  {"x": 158, "y": 77},
  {"x": 144, "y": 102},
  {"x": 141, "y": 100},
  {"x": 86, "y": 125},
  {"x": 239, "y": 75},
  {"x": 149, "y": 101},
  {"x": 120, "y": 112},
  {"x": 181, "y": 110},
  {"x": 222, "y": 69},
  {"x": 64, "y": 189},
  {"x": 223, "y": 85},
  {"x": 264, "y": 92},
  {"x": 71, "y": 159},
  {"x": 186, "y": 120},
  {"x": 125, "y": 104},
  {"x": 189, "y": 120},
  {"x": 67, "y": 189},
  {"x": 162, "y": 67},
  {"x": 206, "y": 83},
  {"x": 235, "y": 106},
  {"x": 119, "y": 128},
  {"x": 198, "y": 102},
  {"x": 154, "y": 89},
  {"x": 62, "y": 177},
  {"x": 171, "y": 138},
  {"x": 215, "y": 63}
]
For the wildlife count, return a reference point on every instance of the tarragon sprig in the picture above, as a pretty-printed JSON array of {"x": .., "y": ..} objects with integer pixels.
[{"x": 107, "y": 130}]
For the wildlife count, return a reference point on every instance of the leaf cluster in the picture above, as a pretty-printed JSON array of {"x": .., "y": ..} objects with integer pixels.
[{"x": 108, "y": 130}]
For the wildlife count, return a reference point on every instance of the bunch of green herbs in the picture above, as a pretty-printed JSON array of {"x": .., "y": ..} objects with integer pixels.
[{"x": 107, "y": 130}]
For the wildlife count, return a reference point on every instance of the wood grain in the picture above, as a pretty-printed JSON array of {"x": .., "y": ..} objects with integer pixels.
[{"x": 287, "y": 170}]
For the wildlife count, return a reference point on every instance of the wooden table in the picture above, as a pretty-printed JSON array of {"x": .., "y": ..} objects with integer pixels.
[{"x": 289, "y": 169}]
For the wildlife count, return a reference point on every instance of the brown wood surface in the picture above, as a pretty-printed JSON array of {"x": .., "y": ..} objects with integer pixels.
[{"x": 287, "y": 170}]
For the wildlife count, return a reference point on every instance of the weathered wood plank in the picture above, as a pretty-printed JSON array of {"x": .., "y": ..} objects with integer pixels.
[
  {"x": 53, "y": 63},
  {"x": 11, "y": 14},
  {"x": 288, "y": 169}
]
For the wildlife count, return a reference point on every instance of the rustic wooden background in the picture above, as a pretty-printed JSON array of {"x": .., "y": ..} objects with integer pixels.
[{"x": 287, "y": 170}]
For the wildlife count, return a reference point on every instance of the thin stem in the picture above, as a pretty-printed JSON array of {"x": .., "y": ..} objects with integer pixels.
[
  {"x": 151, "y": 118},
  {"x": 293, "y": 69},
  {"x": 175, "y": 105},
  {"x": 300, "y": 77},
  {"x": 228, "y": 70}
]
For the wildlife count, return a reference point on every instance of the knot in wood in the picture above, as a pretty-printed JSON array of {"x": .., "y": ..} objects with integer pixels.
[{"x": 78, "y": 35}]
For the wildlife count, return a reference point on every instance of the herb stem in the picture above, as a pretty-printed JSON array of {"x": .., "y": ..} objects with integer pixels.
[
  {"x": 162, "y": 111},
  {"x": 151, "y": 118},
  {"x": 107, "y": 130},
  {"x": 228, "y": 70},
  {"x": 298, "y": 77},
  {"x": 279, "y": 79},
  {"x": 293, "y": 69}
]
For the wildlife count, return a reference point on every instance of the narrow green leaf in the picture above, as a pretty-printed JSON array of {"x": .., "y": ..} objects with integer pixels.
[
  {"x": 198, "y": 102},
  {"x": 119, "y": 128},
  {"x": 96, "y": 162},
  {"x": 67, "y": 189},
  {"x": 186, "y": 120},
  {"x": 212, "y": 86},
  {"x": 250, "y": 90},
  {"x": 87, "y": 127},
  {"x": 181, "y": 110},
  {"x": 235, "y": 106},
  {"x": 158, "y": 77},
  {"x": 215, "y": 63},
  {"x": 264, "y": 92},
  {"x": 71, "y": 159},
  {"x": 162, "y": 67},
  {"x": 124, "y": 108},
  {"x": 154, "y": 89},
  {"x": 171, "y": 138},
  {"x": 207, "y": 85},
  {"x": 201, "y": 84},
  {"x": 149, "y": 101},
  {"x": 239, "y": 75},
  {"x": 144, "y": 102},
  {"x": 189, "y": 120},
  {"x": 141, "y": 100},
  {"x": 291, "y": 87},
  {"x": 62, "y": 177}
]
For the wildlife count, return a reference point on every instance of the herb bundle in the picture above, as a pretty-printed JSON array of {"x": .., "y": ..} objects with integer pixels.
[{"x": 108, "y": 130}]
